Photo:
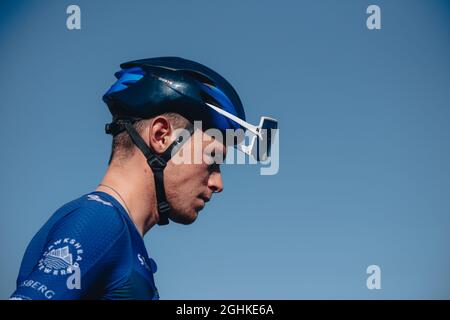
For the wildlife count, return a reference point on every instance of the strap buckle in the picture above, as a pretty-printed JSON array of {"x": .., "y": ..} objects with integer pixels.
[
  {"x": 156, "y": 162},
  {"x": 163, "y": 207},
  {"x": 163, "y": 210}
]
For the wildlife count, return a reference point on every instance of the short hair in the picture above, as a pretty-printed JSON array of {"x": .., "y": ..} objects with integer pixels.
[{"x": 122, "y": 145}]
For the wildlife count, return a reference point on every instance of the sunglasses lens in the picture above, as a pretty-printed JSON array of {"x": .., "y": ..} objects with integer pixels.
[{"x": 268, "y": 127}]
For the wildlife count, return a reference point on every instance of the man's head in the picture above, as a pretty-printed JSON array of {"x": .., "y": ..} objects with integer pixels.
[
  {"x": 149, "y": 87},
  {"x": 188, "y": 185}
]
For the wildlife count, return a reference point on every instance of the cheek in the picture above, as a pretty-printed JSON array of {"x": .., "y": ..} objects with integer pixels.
[
  {"x": 187, "y": 177},
  {"x": 197, "y": 176}
]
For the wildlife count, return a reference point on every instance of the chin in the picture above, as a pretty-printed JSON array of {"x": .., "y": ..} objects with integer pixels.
[{"x": 184, "y": 218}]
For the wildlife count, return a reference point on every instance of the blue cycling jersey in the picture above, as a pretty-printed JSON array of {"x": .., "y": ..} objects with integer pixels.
[{"x": 88, "y": 249}]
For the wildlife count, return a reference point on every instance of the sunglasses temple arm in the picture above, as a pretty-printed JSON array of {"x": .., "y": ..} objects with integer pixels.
[{"x": 246, "y": 125}]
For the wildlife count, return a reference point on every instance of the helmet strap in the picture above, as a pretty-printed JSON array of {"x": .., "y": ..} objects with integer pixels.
[{"x": 157, "y": 164}]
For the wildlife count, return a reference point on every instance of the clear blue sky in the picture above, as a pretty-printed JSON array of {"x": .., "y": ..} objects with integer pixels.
[{"x": 365, "y": 126}]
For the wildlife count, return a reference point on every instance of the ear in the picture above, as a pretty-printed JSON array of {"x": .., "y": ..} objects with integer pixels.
[{"x": 160, "y": 134}]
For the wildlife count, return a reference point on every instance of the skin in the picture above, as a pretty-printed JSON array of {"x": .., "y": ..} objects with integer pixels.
[{"x": 188, "y": 186}]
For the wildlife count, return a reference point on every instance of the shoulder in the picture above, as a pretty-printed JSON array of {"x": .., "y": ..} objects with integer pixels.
[{"x": 93, "y": 219}]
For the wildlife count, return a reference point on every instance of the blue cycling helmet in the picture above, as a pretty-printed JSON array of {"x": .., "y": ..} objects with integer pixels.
[{"x": 149, "y": 87}]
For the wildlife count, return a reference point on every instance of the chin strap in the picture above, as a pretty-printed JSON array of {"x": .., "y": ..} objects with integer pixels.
[{"x": 157, "y": 163}]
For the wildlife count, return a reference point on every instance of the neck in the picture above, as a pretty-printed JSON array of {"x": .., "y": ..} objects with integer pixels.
[{"x": 134, "y": 190}]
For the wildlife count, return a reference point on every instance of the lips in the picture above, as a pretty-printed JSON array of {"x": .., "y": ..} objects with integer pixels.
[{"x": 206, "y": 199}]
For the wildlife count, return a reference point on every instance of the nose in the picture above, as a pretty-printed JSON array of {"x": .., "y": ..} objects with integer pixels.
[{"x": 215, "y": 182}]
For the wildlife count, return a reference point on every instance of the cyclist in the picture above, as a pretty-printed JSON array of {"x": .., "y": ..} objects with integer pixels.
[{"x": 92, "y": 247}]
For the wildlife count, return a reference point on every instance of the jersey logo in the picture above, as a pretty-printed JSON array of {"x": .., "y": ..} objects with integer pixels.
[
  {"x": 19, "y": 298},
  {"x": 95, "y": 197},
  {"x": 62, "y": 257},
  {"x": 151, "y": 268},
  {"x": 58, "y": 258}
]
